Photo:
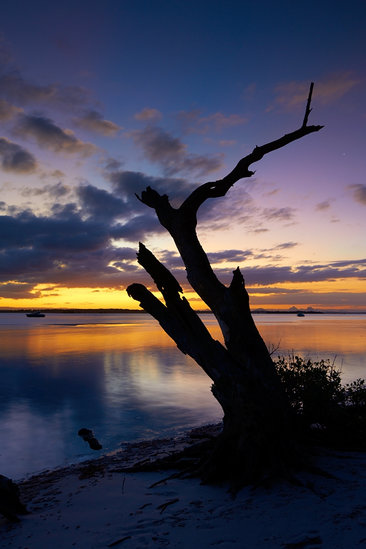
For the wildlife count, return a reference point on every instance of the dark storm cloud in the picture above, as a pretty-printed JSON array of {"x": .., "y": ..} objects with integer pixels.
[
  {"x": 139, "y": 227},
  {"x": 77, "y": 244},
  {"x": 15, "y": 158},
  {"x": 64, "y": 231},
  {"x": 50, "y": 136},
  {"x": 101, "y": 204},
  {"x": 359, "y": 193},
  {"x": 60, "y": 249},
  {"x": 138, "y": 220},
  {"x": 169, "y": 152},
  {"x": 93, "y": 121},
  {"x": 15, "y": 88}
]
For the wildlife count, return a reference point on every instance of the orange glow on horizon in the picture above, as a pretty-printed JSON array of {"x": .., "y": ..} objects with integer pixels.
[{"x": 319, "y": 295}]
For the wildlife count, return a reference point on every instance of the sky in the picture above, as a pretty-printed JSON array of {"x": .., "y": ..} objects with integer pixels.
[{"x": 98, "y": 100}]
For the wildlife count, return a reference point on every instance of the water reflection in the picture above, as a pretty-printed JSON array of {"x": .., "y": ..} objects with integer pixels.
[
  {"x": 121, "y": 376},
  {"x": 126, "y": 382},
  {"x": 339, "y": 337}
]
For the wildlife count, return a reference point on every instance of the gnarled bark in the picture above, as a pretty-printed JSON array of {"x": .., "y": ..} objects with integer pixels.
[{"x": 256, "y": 435}]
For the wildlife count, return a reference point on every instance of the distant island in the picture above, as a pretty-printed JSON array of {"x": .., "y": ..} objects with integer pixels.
[{"x": 291, "y": 310}]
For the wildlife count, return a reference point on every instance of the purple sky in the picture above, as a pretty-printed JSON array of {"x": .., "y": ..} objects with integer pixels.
[{"x": 100, "y": 99}]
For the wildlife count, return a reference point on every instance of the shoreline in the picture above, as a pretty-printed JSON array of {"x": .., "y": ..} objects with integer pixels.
[{"x": 95, "y": 504}]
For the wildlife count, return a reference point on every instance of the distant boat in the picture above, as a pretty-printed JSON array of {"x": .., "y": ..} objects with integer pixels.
[
  {"x": 300, "y": 314},
  {"x": 36, "y": 314}
]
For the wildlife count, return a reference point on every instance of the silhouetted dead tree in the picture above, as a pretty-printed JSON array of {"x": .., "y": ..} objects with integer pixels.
[{"x": 257, "y": 431}]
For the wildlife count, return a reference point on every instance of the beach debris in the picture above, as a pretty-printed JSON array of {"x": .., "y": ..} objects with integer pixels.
[
  {"x": 118, "y": 541},
  {"x": 10, "y": 504},
  {"x": 91, "y": 470},
  {"x": 88, "y": 436},
  {"x": 304, "y": 542},
  {"x": 163, "y": 506}
]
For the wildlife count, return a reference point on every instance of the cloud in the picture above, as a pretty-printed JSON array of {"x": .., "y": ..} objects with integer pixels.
[
  {"x": 227, "y": 142},
  {"x": 15, "y": 158},
  {"x": 101, "y": 204},
  {"x": 58, "y": 190},
  {"x": 50, "y": 136},
  {"x": 127, "y": 184},
  {"x": 15, "y": 88},
  {"x": 14, "y": 290},
  {"x": 279, "y": 214},
  {"x": 285, "y": 246},
  {"x": 328, "y": 90},
  {"x": 8, "y": 111},
  {"x": 148, "y": 115},
  {"x": 274, "y": 274},
  {"x": 359, "y": 193},
  {"x": 93, "y": 121},
  {"x": 80, "y": 246},
  {"x": 193, "y": 122},
  {"x": 323, "y": 206},
  {"x": 112, "y": 165},
  {"x": 162, "y": 148},
  {"x": 135, "y": 220},
  {"x": 139, "y": 227},
  {"x": 237, "y": 204},
  {"x": 349, "y": 300},
  {"x": 63, "y": 249},
  {"x": 232, "y": 256},
  {"x": 213, "y": 215}
]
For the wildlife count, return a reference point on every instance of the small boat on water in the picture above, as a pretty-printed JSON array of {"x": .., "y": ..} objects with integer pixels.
[
  {"x": 300, "y": 314},
  {"x": 36, "y": 314}
]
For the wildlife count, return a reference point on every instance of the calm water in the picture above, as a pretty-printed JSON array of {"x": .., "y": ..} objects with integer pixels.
[{"x": 121, "y": 376}]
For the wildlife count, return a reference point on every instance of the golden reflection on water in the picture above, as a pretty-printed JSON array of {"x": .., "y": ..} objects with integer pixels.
[
  {"x": 320, "y": 333},
  {"x": 52, "y": 340},
  {"x": 317, "y": 333},
  {"x": 337, "y": 335}
]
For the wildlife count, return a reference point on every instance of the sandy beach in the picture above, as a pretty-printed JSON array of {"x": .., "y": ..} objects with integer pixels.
[{"x": 96, "y": 504}]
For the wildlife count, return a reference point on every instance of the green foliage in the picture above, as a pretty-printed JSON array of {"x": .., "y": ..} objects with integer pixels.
[{"x": 322, "y": 406}]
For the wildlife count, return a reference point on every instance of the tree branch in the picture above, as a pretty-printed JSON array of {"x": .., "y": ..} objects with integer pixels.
[
  {"x": 166, "y": 283},
  {"x": 227, "y": 304},
  {"x": 178, "y": 319},
  {"x": 308, "y": 109},
  {"x": 220, "y": 188}
]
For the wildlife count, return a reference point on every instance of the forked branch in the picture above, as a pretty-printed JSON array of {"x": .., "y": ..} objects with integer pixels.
[{"x": 220, "y": 188}]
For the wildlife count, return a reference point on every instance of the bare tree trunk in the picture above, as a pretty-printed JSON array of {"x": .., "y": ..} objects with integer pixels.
[{"x": 257, "y": 436}]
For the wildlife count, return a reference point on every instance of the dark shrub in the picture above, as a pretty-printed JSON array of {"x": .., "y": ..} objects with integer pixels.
[{"x": 331, "y": 413}]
